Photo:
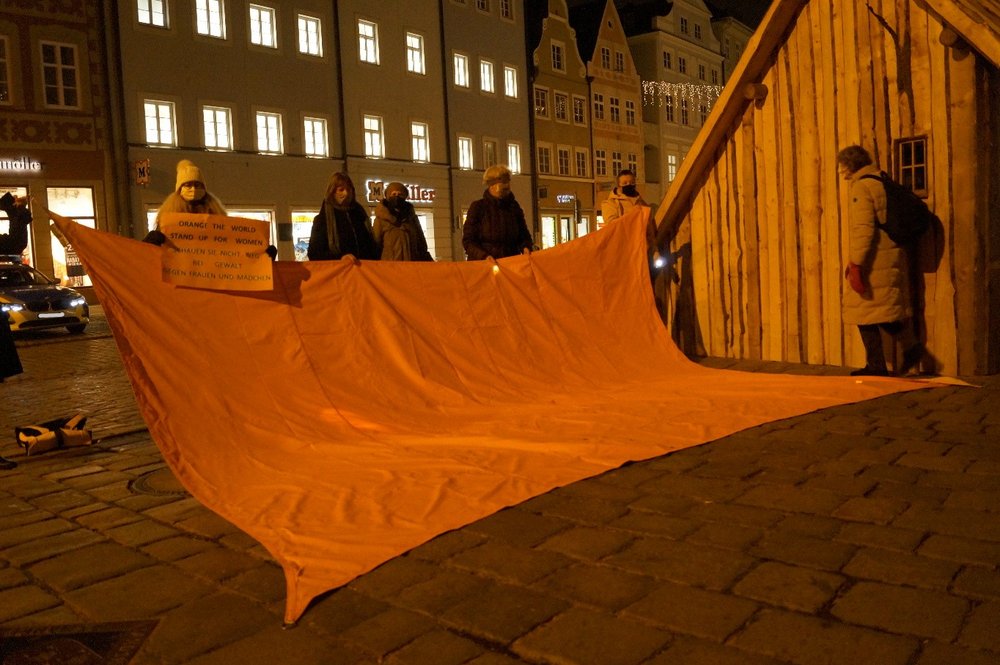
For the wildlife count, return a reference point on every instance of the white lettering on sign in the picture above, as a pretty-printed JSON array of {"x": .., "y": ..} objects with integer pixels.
[
  {"x": 19, "y": 164},
  {"x": 418, "y": 194}
]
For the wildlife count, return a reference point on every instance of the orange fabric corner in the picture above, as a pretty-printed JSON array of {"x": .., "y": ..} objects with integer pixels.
[{"x": 358, "y": 410}]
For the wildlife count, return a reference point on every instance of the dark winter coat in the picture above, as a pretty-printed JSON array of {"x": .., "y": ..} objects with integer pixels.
[
  {"x": 16, "y": 240},
  {"x": 399, "y": 236},
  {"x": 338, "y": 231},
  {"x": 495, "y": 227},
  {"x": 10, "y": 364}
]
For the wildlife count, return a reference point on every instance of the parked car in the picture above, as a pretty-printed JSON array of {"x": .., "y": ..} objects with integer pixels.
[{"x": 32, "y": 301}]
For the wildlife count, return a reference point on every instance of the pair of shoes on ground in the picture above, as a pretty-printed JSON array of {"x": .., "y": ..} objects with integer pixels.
[
  {"x": 53, "y": 434},
  {"x": 867, "y": 370},
  {"x": 911, "y": 358}
]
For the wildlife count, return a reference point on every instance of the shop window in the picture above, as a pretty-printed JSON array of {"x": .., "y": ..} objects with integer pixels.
[
  {"x": 26, "y": 256},
  {"x": 315, "y": 135},
  {"x": 263, "y": 27},
  {"x": 911, "y": 164},
  {"x": 310, "y": 35},
  {"x": 76, "y": 203},
  {"x": 263, "y": 215},
  {"x": 210, "y": 18},
  {"x": 548, "y": 231},
  {"x": 60, "y": 74},
  {"x": 301, "y": 229},
  {"x": 152, "y": 12}
]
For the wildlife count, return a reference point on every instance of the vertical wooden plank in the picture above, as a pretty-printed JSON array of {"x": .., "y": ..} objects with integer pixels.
[
  {"x": 787, "y": 214},
  {"x": 770, "y": 179},
  {"x": 754, "y": 251}
]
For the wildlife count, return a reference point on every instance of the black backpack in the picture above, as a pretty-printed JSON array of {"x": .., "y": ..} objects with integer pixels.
[{"x": 907, "y": 217}]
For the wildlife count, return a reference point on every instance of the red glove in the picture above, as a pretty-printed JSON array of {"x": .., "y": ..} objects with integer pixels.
[{"x": 853, "y": 275}]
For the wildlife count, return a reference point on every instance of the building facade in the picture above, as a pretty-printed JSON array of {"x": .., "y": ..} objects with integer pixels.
[
  {"x": 56, "y": 129},
  {"x": 733, "y": 37},
  {"x": 560, "y": 94}
]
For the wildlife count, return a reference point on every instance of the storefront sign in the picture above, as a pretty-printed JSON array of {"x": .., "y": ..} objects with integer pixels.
[
  {"x": 141, "y": 172},
  {"x": 418, "y": 194},
  {"x": 20, "y": 164},
  {"x": 565, "y": 198},
  {"x": 216, "y": 252}
]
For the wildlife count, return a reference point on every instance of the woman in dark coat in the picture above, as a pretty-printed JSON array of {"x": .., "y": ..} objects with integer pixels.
[
  {"x": 10, "y": 363},
  {"x": 494, "y": 225},
  {"x": 342, "y": 227}
]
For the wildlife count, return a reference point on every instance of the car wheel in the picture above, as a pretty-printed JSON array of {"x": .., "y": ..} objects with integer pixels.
[{"x": 76, "y": 328}]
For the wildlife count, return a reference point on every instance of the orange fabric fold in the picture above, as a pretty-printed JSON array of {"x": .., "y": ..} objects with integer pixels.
[{"x": 360, "y": 409}]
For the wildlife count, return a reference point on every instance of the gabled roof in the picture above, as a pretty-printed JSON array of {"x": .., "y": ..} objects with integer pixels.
[{"x": 976, "y": 21}]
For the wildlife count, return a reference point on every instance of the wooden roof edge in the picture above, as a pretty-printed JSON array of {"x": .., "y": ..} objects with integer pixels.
[
  {"x": 980, "y": 28},
  {"x": 756, "y": 59}
]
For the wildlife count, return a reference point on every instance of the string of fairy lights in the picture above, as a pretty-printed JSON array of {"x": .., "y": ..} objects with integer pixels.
[{"x": 654, "y": 93}]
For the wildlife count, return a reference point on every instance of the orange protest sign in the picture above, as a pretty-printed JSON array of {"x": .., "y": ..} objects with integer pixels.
[{"x": 216, "y": 252}]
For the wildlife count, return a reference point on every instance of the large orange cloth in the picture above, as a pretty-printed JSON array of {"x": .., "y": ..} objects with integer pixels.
[{"x": 359, "y": 410}]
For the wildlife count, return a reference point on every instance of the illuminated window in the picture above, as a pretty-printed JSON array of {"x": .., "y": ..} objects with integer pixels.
[
  {"x": 629, "y": 112},
  {"x": 415, "y": 53},
  {"x": 263, "y": 31},
  {"x": 911, "y": 160},
  {"x": 544, "y": 159},
  {"x": 616, "y": 162},
  {"x": 615, "y": 108},
  {"x": 510, "y": 82},
  {"x": 486, "y": 76},
  {"x": 76, "y": 203},
  {"x": 152, "y": 12},
  {"x": 59, "y": 73},
  {"x": 367, "y": 41},
  {"x": 581, "y": 163},
  {"x": 598, "y": 107},
  {"x": 562, "y": 158},
  {"x": 514, "y": 157},
  {"x": 269, "y": 140},
  {"x": 489, "y": 153},
  {"x": 315, "y": 142},
  {"x": 210, "y": 18},
  {"x": 218, "y": 127},
  {"x": 560, "y": 104},
  {"x": 374, "y": 143},
  {"x": 4, "y": 72},
  {"x": 541, "y": 103},
  {"x": 671, "y": 167},
  {"x": 558, "y": 62},
  {"x": 160, "y": 127},
  {"x": 461, "y": 63},
  {"x": 464, "y": 152},
  {"x": 310, "y": 35},
  {"x": 579, "y": 110},
  {"x": 419, "y": 142},
  {"x": 601, "y": 162},
  {"x": 632, "y": 162},
  {"x": 605, "y": 57}
]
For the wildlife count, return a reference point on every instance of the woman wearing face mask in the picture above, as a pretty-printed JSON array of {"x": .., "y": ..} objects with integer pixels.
[
  {"x": 622, "y": 198},
  {"x": 494, "y": 225},
  {"x": 342, "y": 227},
  {"x": 397, "y": 230}
]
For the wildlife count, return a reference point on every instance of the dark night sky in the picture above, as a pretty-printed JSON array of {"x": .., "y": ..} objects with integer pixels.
[{"x": 749, "y": 12}]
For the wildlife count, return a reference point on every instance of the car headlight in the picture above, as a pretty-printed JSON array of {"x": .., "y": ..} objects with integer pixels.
[
  {"x": 11, "y": 307},
  {"x": 76, "y": 302}
]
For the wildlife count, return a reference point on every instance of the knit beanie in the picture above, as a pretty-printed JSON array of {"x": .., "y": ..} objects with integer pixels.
[
  {"x": 187, "y": 172},
  {"x": 396, "y": 186}
]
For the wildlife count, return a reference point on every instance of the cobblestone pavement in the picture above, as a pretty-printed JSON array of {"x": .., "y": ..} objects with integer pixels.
[{"x": 866, "y": 533}]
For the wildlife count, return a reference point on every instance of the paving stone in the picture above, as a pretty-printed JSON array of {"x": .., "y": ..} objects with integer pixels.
[
  {"x": 206, "y": 524},
  {"x": 141, "y": 533},
  {"x": 94, "y": 507},
  {"x": 95, "y": 480},
  {"x": 591, "y": 638},
  {"x": 726, "y": 536},
  {"x": 264, "y": 584},
  {"x": 217, "y": 564},
  {"x": 803, "y": 550},
  {"x": 492, "y": 658},
  {"x": 691, "y": 651},
  {"x": 141, "y": 503},
  {"x": 693, "y": 487},
  {"x": 684, "y": 609},
  {"x": 920, "y": 612},
  {"x": 162, "y": 588},
  {"x": 875, "y": 511},
  {"x": 25, "y": 534},
  {"x": 445, "y": 589},
  {"x": 683, "y": 562},
  {"x": 584, "y": 510},
  {"x": 272, "y": 645},
  {"x": 792, "y": 587},
  {"x": 936, "y": 653},
  {"x": 58, "y": 502},
  {"x": 792, "y": 499},
  {"x": 180, "y": 547},
  {"x": 112, "y": 493},
  {"x": 736, "y": 514},
  {"x": 980, "y": 631},
  {"x": 206, "y": 624},
  {"x": 882, "y": 473},
  {"x": 60, "y": 615},
  {"x": 43, "y": 548},
  {"x": 631, "y": 474},
  {"x": 979, "y": 500},
  {"x": 393, "y": 576},
  {"x": 108, "y": 519},
  {"x": 592, "y": 489},
  {"x": 517, "y": 527},
  {"x": 654, "y": 524},
  {"x": 502, "y": 613},
  {"x": 899, "y": 568},
  {"x": 816, "y": 526},
  {"x": 21, "y": 601},
  {"x": 387, "y": 631},
  {"x": 977, "y": 582},
  {"x": 439, "y": 647},
  {"x": 965, "y": 523},
  {"x": 978, "y": 476},
  {"x": 11, "y": 577},
  {"x": 665, "y": 504},
  {"x": 176, "y": 511},
  {"x": 808, "y": 640},
  {"x": 599, "y": 586},
  {"x": 510, "y": 564},
  {"x": 240, "y": 541},
  {"x": 23, "y": 518},
  {"x": 333, "y": 613},
  {"x": 447, "y": 544},
  {"x": 76, "y": 472},
  {"x": 838, "y": 480},
  {"x": 587, "y": 543},
  {"x": 88, "y": 565},
  {"x": 915, "y": 495},
  {"x": 875, "y": 535}
]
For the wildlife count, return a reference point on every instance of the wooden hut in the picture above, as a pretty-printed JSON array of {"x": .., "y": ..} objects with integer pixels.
[{"x": 757, "y": 216}]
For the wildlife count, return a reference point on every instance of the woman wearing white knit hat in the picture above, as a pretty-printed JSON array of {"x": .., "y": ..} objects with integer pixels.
[{"x": 189, "y": 195}]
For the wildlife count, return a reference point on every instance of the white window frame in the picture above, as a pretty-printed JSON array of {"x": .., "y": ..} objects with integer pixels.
[
  {"x": 630, "y": 112},
  {"x": 420, "y": 141},
  {"x": 582, "y": 162},
  {"x": 579, "y": 110},
  {"x": 152, "y": 13},
  {"x": 671, "y": 167},
  {"x": 600, "y": 162},
  {"x": 491, "y": 152},
  {"x": 557, "y": 55},
  {"x": 465, "y": 153},
  {"x": 263, "y": 26},
  {"x": 66, "y": 96},
  {"x": 310, "y": 30},
  {"x": 487, "y": 83},
  {"x": 619, "y": 61},
  {"x": 217, "y": 127},
  {"x": 605, "y": 58},
  {"x": 210, "y": 18},
  {"x": 374, "y": 132},
  {"x": 460, "y": 64},
  {"x": 544, "y": 165},
  {"x": 415, "y": 63},
  {"x": 514, "y": 157},
  {"x": 510, "y": 81},
  {"x": 564, "y": 161},
  {"x": 614, "y": 109},
  {"x": 315, "y": 137},
  {"x": 616, "y": 162},
  {"x": 270, "y": 139},
  {"x": 165, "y": 118},
  {"x": 598, "y": 106},
  {"x": 368, "y": 41},
  {"x": 541, "y": 110},
  {"x": 560, "y": 107}
]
